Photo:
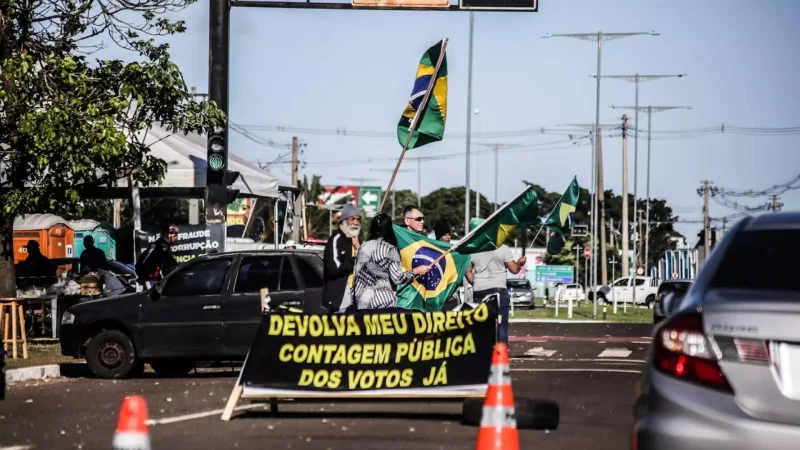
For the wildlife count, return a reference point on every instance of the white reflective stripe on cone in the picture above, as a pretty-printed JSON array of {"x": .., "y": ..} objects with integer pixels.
[
  {"x": 498, "y": 416},
  {"x": 131, "y": 441},
  {"x": 500, "y": 375}
]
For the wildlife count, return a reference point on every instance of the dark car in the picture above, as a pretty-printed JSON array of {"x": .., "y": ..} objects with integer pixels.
[
  {"x": 670, "y": 293},
  {"x": 208, "y": 309}
]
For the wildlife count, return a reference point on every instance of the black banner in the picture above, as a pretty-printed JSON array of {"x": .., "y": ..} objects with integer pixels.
[
  {"x": 410, "y": 353},
  {"x": 193, "y": 241}
]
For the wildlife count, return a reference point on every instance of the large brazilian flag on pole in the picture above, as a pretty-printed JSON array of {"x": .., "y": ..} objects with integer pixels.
[{"x": 429, "y": 292}]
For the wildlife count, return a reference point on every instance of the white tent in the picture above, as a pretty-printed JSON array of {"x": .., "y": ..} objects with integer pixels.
[{"x": 185, "y": 156}]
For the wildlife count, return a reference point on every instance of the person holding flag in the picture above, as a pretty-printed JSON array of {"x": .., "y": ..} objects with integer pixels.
[{"x": 487, "y": 274}]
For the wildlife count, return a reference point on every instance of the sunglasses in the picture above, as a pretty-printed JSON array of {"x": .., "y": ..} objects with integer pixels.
[{"x": 418, "y": 219}]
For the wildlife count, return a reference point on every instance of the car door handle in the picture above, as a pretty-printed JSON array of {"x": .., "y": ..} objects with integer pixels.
[{"x": 212, "y": 307}]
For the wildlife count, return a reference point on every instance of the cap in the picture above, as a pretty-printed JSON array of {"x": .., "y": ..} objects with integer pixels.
[
  {"x": 350, "y": 211},
  {"x": 290, "y": 243},
  {"x": 172, "y": 229}
]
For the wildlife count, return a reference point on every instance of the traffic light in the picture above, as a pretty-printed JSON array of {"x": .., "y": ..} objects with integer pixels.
[
  {"x": 216, "y": 175},
  {"x": 230, "y": 177},
  {"x": 217, "y": 157}
]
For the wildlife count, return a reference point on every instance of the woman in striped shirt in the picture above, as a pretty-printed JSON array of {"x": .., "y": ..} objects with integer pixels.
[{"x": 378, "y": 272}]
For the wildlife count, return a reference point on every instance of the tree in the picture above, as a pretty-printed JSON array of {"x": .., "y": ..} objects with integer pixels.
[{"x": 72, "y": 125}]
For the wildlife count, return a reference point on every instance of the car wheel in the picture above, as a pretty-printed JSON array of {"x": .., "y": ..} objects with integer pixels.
[
  {"x": 650, "y": 301},
  {"x": 172, "y": 367},
  {"x": 110, "y": 354}
]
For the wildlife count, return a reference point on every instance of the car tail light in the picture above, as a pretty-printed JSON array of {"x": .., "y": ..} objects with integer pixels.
[{"x": 682, "y": 350}]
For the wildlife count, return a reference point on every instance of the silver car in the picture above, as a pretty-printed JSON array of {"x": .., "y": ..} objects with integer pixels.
[
  {"x": 521, "y": 293},
  {"x": 724, "y": 371}
]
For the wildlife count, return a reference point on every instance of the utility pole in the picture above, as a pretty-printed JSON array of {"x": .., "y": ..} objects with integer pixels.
[
  {"x": 625, "y": 226},
  {"x": 419, "y": 183},
  {"x": 295, "y": 159},
  {"x": 650, "y": 110},
  {"x": 601, "y": 201},
  {"x": 775, "y": 205},
  {"x": 613, "y": 240},
  {"x": 477, "y": 173},
  {"x": 706, "y": 231},
  {"x": 599, "y": 38},
  {"x": 578, "y": 249},
  {"x": 592, "y": 137}
]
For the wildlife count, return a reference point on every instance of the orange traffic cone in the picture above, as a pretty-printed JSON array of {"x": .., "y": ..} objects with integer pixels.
[
  {"x": 498, "y": 423},
  {"x": 132, "y": 431}
]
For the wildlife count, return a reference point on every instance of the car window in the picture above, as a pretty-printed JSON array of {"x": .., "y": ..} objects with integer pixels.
[
  {"x": 288, "y": 280},
  {"x": 518, "y": 283},
  {"x": 622, "y": 282},
  {"x": 199, "y": 278},
  {"x": 641, "y": 281},
  {"x": 258, "y": 272},
  {"x": 680, "y": 288},
  {"x": 760, "y": 260},
  {"x": 311, "y": 276}
]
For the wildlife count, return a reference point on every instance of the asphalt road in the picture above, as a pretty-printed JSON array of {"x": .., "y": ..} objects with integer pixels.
[{"x": 591, "y": 370}]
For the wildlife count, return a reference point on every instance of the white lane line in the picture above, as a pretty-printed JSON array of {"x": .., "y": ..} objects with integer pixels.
[
  {"x": 615, "y": 353},
  {"x": 639, "y": 361},
  {"x": 576, "y": 370},
  {"x": 540, "y": 351},
  {"x": 200, "y": 415},
  {"x": 641, "y": 342},
  {"x": 17, "y": 447}
]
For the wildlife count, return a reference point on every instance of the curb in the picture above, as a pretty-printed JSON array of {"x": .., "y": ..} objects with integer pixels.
[
  {"x": 557, "y": 321},
  {"x": 33, "y": 373},
  {"x": 76, "y": 369}
]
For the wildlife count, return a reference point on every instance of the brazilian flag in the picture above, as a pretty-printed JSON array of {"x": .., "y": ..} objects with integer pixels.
[
  {"x": 562, "y": 218},
  {"x": 426, "y": 121},
  {"x": 428, "y": 293},
  {"x": 490, "y": 234}
]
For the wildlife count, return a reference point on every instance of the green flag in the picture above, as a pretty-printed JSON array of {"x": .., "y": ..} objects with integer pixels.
[
  {"x": 426, "y": 121},
  {"x": 522, "y": 210},
  {"x": 428, "y": 293},
  {"x": 562, "y": 218}
]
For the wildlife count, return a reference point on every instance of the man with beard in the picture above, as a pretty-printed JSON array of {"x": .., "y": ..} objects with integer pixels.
[{"x": 339, "y": 259}]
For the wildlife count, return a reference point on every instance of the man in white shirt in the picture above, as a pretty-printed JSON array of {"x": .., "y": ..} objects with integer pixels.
[{"x": 487, "y": 273}]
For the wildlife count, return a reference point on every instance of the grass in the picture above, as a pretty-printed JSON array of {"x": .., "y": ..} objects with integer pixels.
[
  {"x": 584, "y": 312},
  {"x": 39, "y": 354}
]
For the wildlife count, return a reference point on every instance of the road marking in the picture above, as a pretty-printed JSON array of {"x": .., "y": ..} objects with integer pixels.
[
  {"x": 17, "y": 447},
  {"x": 540, "y": 351},
  {"x": 597, "y": 339},
  {"x": 615, "y": 353},
  {"x": 516, "y": 369},
  {"x": 200, "y": 415},
  {"x": 639, "y": 361},
  {"x": 640, "y": 342}
]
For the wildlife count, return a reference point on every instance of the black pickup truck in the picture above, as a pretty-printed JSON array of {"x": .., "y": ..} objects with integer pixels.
[{"x": 207, "y": 310}]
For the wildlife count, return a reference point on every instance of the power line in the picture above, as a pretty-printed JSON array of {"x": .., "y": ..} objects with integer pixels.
[{"x": 541, "y": 130}]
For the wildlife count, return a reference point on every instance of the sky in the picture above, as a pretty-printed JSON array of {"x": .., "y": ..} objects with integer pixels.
[{"x": 313, "y": 72}]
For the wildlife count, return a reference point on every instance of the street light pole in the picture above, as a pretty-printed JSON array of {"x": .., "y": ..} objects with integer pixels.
[
  {"x": 636, "y": 79},
  {"x": 469, "y": 120},
  {"x": 650, "y": 110},
  {"x": 599, "y": 37}
]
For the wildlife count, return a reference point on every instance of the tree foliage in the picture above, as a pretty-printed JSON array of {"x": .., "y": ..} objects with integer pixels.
[{"x": 72, "y": 124}]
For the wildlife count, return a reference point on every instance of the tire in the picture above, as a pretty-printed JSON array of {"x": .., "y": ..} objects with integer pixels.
[
  {"x": 650, "y": 301},
  {"x": 601, "y": 299},
  {"x": 111, "y": 355},
  {"x": 529, "y": 414},
  {"x": 172, "y": 367}
]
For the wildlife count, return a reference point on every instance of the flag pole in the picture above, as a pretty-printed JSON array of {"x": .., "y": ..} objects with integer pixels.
[
  {"x": 553, "y": 210},
  {"x": 414, "y": 122}
]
